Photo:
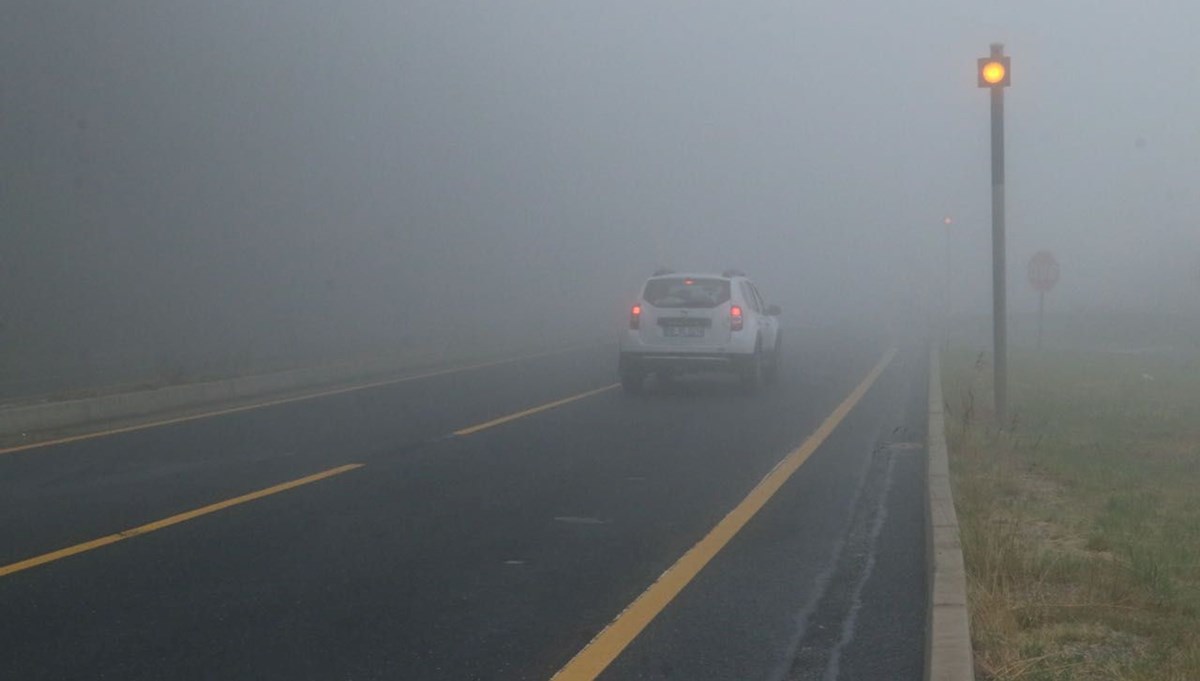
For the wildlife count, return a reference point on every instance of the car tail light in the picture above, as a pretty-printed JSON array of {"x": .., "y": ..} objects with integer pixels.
[
  {"x": 736, "y": 320},
  {"x": 635, "y": 317}
]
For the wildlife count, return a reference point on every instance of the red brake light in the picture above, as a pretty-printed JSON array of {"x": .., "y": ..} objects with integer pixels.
[
  {"x": 635, "y": 317},
  {"x": 735, "y": 318}
]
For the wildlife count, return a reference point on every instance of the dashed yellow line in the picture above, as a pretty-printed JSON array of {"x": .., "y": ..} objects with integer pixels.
[
  {"x": 597, "y": 655},
  {"x": 529, "y": 412},
  {"x": 167, "y": 522},
  {"x": 212, "y": 508}
]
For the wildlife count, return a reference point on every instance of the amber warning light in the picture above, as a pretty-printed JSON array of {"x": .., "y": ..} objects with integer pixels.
[{"x": 993, "y": 72}]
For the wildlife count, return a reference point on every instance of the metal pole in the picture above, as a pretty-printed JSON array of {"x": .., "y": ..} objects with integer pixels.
[
  {"x": 999, "y": 302},
  {"x": 1041, "y": 311},
  {"x": 946, "y": 279}
]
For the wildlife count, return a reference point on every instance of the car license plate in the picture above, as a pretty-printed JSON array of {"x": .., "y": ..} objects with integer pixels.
[{"x": 683, "y": 331}]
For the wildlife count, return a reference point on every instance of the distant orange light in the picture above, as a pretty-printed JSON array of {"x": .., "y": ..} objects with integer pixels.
[
  {"x": 948, "y": 221},
  {"x": 637, "y": 310},
  {"x": 992, "y": 72},
  {"x": 689, "y": 282}
]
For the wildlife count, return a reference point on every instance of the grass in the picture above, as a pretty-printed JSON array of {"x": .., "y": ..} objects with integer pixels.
[{"x": 1081, "y": 517}]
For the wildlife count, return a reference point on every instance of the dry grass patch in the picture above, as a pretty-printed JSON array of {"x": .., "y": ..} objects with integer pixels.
[{"x": 1081, "y": 518}]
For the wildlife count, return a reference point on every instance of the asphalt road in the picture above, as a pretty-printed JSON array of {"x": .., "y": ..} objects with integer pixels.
[{"x": 498, "y": 553}]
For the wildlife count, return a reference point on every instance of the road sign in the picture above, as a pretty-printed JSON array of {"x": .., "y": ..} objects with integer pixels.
[{"x": 1043, "y": 271}]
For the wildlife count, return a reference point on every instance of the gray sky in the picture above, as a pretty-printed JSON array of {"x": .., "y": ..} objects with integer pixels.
[{"x": 233, "y": 174}]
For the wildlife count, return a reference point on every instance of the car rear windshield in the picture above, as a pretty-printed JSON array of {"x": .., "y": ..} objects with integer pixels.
[{"x": 686, "y": 292}]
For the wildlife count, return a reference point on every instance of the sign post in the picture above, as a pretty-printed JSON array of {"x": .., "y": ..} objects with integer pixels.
[
  {"x": 1043, "y": 275},
  {"x": 947, "y": 221}
]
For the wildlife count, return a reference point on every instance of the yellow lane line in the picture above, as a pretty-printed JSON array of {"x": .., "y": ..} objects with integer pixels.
[
  {"x": 275, "y": 402},
  {"x": 189, "y": 515},
  {"x": 608, "y": 644},
  {"x": 529, "y": 412},
  {"x": 167, "y": 522}
]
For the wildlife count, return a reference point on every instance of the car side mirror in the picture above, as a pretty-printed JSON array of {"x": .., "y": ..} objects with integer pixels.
[{"x": 774, "y": 310}]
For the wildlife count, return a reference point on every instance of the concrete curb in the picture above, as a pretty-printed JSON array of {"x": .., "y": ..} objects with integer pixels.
[
  {"x": 948, "y": 655},
  {"x": 90, "y": 411}
]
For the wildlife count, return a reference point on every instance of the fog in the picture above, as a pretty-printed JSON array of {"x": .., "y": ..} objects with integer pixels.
[{"x": 203, "y": 185}]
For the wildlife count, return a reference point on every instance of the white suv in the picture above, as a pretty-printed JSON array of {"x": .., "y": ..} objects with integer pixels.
[{"x": 700, "y": 322}]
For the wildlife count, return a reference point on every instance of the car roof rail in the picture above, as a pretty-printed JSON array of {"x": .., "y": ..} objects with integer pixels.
[
  {"x": 733, "y": 273},
  {"x": 661, "y": 271}
]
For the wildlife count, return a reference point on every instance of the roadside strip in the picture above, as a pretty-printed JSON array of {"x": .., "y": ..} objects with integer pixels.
[
  {"x": 275, "y": 402},
  {"x": 597, "y": 655}
]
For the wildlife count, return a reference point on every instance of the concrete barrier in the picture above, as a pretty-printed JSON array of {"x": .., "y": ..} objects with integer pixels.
[{"x": 948, "y": 655}]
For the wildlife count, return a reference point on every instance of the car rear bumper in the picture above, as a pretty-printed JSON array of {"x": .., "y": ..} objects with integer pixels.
[{"x": 651, "y": 361}]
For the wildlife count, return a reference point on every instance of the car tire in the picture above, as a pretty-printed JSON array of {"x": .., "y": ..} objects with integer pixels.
[
  {"x": 753, "y": 372},
  {"x": 632, "y": 381},
  {"x": 776, "y": 362}
]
